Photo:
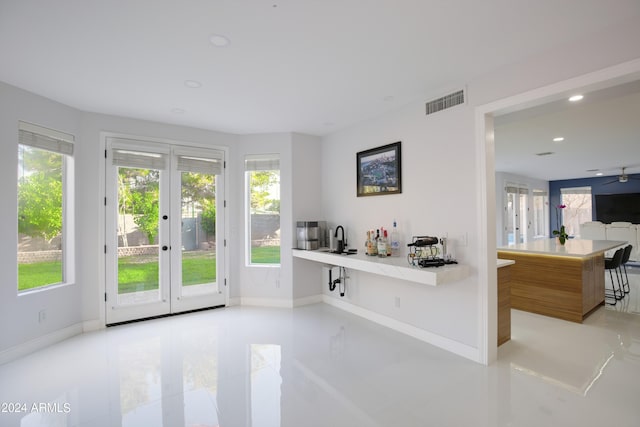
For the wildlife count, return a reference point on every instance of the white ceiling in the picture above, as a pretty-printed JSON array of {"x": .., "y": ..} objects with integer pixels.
[
  {"x": 311, "y": 66},
  {"x": 601, "y": 134}
]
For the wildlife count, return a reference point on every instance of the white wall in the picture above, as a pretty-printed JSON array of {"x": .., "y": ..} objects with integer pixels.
[
  {"x": 307, "y": 206},
  {"x": 502, "y": 179},
  {"x": 438, "y": 199},
  {"x": 19, "y": 314}
]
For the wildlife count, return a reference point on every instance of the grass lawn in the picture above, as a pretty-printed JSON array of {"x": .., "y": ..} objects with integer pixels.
[
  {"x": 134, "y": 275},
  {"x": 265, "y": 255},
  {"x": 39, "y": 274}
]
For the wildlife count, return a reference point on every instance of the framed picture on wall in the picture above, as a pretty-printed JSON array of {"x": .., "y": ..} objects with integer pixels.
[{"x": 379, "y": 170}]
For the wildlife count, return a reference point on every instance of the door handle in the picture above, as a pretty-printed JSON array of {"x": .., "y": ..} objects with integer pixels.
[{"x": 164, "y": 248}]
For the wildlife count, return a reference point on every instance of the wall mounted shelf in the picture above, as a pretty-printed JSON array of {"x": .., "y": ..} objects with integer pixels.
[{"x": 396, "y": 268}]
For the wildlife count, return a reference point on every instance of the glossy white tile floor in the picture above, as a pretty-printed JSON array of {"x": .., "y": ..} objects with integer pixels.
[{"x": 319, "y": 366}]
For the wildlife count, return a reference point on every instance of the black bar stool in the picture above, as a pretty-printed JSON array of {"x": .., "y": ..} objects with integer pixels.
[
  {"x": 625, "y": 259},
  {"x": 614, "y": 264}
]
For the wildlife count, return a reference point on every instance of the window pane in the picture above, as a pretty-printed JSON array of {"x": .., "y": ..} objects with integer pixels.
[
  {"x": 540, "y": 209},
  {"x": 198, "y": 231},
  {"x": 578, "y": 210},
  {"x": 40, "y": 214},
  {"x": 138, "y": 219},
  {"x": 264, "y": 212}
]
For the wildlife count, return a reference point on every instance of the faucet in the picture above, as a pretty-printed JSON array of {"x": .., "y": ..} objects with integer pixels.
[{"x": 341, "y": 242}]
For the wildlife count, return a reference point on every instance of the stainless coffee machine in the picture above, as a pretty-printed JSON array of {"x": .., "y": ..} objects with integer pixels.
[{"x": 311, "y": 235}]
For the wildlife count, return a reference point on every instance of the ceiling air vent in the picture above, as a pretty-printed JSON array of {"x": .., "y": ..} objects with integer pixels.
[
  {"x": 447, "y": 101},
  {"x": 546, "y": 153}
]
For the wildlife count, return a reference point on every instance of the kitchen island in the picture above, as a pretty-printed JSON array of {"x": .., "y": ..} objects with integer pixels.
[{"x": 563, "y": 281}]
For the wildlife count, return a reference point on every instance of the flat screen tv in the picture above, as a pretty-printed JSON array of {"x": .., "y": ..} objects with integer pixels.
[{"x": 618, "y": 207}]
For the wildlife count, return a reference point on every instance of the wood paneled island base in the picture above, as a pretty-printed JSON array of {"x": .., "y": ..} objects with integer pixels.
[{"x": 564, "y": 282}]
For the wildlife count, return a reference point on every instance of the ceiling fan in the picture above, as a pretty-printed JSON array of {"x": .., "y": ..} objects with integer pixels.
[{"x": 623, "y": 177}]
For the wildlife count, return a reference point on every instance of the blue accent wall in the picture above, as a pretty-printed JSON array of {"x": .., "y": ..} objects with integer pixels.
[{"x": 597, "y": 187}]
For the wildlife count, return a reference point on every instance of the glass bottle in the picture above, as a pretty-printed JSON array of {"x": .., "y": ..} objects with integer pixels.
[{"x": 395, "y": 240}]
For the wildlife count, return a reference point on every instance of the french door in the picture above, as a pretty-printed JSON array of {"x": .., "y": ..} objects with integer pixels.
[
  {"x": 516, "y": 219},
  {"x": 165, "y": 229}
]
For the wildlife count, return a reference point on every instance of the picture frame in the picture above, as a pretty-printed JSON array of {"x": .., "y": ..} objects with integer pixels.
[{"x": 379, "y": 170}]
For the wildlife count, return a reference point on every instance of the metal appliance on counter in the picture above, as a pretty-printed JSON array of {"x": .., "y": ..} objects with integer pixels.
[
  {"x": 424, "y": 252},
  {"x": 311, "y": 235}
]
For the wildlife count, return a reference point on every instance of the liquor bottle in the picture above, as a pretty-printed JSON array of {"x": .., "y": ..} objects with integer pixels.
[
  {"x": 369, "y": 242},
  {"x": 374, "y": 243},
  {"x": 388, "y": 243},
  {"x": 395, "y": 240},
  {"x": 382, "y": 245}
]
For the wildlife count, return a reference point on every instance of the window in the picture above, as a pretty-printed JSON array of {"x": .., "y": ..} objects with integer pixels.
[
  {"x": 578, "y": 210},
  {"x": 540, "y": 214},
  {"x": 262, "y": 176},
  {"x": 44, "y": 191},
  {"x": 516, "y": 213}
]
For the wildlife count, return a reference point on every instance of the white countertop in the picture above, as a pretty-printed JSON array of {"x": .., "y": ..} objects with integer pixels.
[
  {"x": 396, "y": 267},
  {"x": 505, "y": 262},
  {"x": 573, "y": 247}
]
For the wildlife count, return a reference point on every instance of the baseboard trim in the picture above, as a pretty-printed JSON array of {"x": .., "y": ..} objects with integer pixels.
[
  {"x": 21, "y": 350},
  {"x": 92, "y": 325},
  {"x": 313, "y": 299},
  {"x": 280, "y": 303},
  {"x": 266, "y": 302},
  {"x": 455, "y": 347}
]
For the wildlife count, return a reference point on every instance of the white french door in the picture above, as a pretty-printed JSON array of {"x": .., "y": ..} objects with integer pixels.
[
  {"x": 516, "y": 215},
  {"x": 164, "y": 229}
]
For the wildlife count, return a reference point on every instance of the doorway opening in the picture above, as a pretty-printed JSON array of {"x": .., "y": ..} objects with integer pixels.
[{"x": 613, "y": 76}]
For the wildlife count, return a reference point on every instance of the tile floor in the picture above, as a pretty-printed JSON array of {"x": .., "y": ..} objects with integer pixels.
[{"x": 319, "y": 366}]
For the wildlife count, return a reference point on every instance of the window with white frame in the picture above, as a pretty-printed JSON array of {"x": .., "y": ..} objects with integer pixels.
[
  {"x": 578, "y": 208},
  {"x": 262, "y": 177},
  {"x": 45, "y": 208},
  {"x": 540, "y": 214}
]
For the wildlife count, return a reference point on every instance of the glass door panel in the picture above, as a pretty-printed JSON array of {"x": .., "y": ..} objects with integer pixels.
[
  {"x": 198, "y": 218},
  {"x": 523, "y": 217},
  {"x": 138, "y": 225},
  {"x": 510, "y": 227},
  {"x": 516, "y": 215}
]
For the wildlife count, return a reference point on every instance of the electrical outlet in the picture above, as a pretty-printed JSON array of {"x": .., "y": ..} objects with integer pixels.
[
  {"x": 42, "y": 316},
  {"x": 397, "y": 302}
]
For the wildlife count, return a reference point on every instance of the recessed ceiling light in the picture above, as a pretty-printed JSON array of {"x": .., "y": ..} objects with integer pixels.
[
  {"x": 192, "y": 84},
  {"x": 576, "y": 98},
  {"x": 177, "y": 111},
  {"x": 219, "y": 40},
  {"x": 599, "y": 174},
  {"x": 558, "y": 139}
]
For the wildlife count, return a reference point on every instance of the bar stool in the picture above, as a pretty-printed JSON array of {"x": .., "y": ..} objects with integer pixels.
[
  {"x": 614, "y": 264},
  {"x": 625, "y": 259}
]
